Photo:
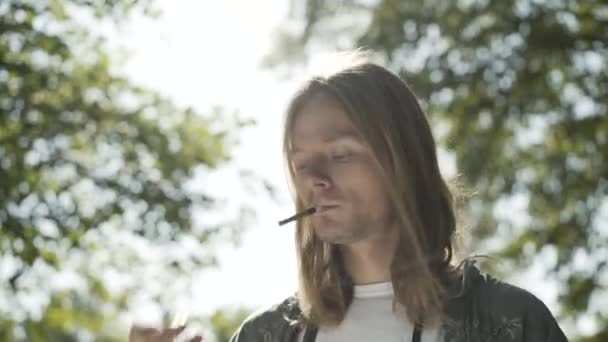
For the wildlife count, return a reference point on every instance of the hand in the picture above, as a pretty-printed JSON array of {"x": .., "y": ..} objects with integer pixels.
[{"x": 141, "y": 334}]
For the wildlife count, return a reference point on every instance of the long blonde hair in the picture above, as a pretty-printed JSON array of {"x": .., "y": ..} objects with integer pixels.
[{"x": 388, "y": 116}]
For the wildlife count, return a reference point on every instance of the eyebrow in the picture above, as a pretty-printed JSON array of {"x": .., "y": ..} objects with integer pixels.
[{"x": 340, "y": 135}]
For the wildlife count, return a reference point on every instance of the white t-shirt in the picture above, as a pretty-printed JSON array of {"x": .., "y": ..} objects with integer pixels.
[{"x": 370, "y": 317}]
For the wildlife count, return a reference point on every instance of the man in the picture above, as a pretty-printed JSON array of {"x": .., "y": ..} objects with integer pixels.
[{"x": 375, "y": 257}]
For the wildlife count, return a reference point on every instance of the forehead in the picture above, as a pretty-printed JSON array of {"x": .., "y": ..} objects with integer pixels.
[{"x": 320, "y": 119}]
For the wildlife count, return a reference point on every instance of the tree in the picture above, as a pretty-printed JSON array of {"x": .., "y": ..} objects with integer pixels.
[
  {"x": 94, "y": 175},
  {"x": 517, "y": 92},
  {"x": 226, "y": 321}
]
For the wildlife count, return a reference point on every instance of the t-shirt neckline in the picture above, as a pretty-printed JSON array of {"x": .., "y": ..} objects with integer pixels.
[{"x": 375, "y": 290}]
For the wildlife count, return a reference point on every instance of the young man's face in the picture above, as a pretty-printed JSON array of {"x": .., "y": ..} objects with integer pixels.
[{"x": 335, "y": 171}]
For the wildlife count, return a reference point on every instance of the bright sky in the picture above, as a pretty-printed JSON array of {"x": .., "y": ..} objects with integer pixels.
[{"x": 204, "y": 53}]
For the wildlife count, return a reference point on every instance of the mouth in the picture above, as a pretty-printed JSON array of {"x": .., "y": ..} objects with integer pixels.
[{"x": 321, "y": 209}]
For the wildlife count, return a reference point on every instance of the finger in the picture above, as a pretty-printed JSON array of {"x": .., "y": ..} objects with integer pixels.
[
  {"x": 137, "y": 334},
  {"x": 173, "y": 332},
  {"x": 143, "y": 331}
]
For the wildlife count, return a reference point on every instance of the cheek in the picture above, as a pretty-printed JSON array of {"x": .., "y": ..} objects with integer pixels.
[{"x": 362, "y": 183}]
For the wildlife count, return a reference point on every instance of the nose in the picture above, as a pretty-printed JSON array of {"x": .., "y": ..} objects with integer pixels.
[
  {"x": 321, "y": 182},
  {"x": 319, "y": 177}
]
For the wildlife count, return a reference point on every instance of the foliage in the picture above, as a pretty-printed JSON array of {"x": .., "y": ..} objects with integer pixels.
[
  {"x": 93, "y": 174},
  {"x": 225, "y": 322}
]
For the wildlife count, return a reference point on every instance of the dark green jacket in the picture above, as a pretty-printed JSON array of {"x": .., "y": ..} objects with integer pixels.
[{"x": 482, "y": 309}]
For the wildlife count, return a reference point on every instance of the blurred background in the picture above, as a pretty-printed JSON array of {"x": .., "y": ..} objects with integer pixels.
[{"x": 140, "y": 159}]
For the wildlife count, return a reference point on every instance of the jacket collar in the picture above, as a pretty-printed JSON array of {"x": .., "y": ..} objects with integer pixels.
[{"x": 469, "y": 277}]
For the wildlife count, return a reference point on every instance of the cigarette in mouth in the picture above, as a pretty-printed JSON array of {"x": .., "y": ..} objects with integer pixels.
[{"x": 306, "y": 212}]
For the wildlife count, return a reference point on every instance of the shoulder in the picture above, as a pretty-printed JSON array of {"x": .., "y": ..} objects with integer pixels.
[
  {"x": 507, "y": 297},
  {"x": 274, "y": 323},
  {"x": 473, "y": 286},
  {"x": 499, "y": 306}
]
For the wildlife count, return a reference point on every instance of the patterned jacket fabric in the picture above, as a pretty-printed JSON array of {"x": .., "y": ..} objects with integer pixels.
[{"x": 482, "y": 310}]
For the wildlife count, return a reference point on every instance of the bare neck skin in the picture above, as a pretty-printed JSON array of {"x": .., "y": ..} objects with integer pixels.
[{"x": 369, "y": 261}]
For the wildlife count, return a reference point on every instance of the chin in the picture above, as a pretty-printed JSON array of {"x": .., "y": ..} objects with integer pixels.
[
  {"x": 333, "y": 235},
  {"x": 327, "y": 233}
]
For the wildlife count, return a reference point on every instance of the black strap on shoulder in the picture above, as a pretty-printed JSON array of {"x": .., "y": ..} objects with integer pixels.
[
  {"x": 310, "y": 334},
  {"x": 416, "y": 334}
]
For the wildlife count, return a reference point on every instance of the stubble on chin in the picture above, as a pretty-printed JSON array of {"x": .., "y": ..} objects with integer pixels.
[{"x": 340, "y": 234}]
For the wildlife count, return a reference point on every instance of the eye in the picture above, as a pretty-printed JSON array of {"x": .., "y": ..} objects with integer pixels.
[
  {"x": 341, "y": 155},
  {"x": 300, "y": 166}
]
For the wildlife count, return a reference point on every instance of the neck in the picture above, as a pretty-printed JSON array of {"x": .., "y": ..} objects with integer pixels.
[{"x": 369, "y": 261}]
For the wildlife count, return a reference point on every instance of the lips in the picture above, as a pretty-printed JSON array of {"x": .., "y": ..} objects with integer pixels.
[{"x": 323, "y": 208}]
